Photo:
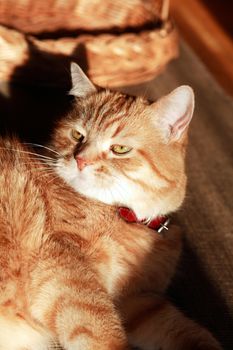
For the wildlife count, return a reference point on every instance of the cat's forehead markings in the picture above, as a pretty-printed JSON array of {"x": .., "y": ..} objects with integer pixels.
[
  {"x": 113, "y": 121},
  {"x": 118, "y": 129}
]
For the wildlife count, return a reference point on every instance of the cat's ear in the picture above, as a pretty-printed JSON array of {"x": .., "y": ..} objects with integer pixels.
[
  {"x": 81, "y": 85},
  {"x": 174, "y": 112}
]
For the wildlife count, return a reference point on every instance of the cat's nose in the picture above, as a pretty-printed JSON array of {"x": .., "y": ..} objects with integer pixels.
[{"x": 82, "y": 162}]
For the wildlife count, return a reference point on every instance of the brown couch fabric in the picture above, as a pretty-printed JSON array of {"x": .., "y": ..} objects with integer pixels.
[{"x": 203, "y": 286}]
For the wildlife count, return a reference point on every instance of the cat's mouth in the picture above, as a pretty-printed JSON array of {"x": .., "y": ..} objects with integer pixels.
[{"x": 88, "y": 176}]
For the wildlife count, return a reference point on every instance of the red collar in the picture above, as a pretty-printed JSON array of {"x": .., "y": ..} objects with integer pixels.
[{"x": 159, "y": 223}]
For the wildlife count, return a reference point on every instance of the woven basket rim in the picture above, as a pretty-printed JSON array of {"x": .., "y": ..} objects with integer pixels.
[{"x": 128, "y": 58}]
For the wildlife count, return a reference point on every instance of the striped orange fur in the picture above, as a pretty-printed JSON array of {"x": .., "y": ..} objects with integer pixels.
[{"x": 72, "y": 272}]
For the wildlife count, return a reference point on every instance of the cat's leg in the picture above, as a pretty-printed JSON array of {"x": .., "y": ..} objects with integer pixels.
[
  {"x": 153, "y": 323},
  {"x": 157, "y": 257},
  {"x": 17, "y": 334},
  {"x": 73, "y": 307},
  {"x": 165, "y": 258},
  {"x": 86, "y": 323}
]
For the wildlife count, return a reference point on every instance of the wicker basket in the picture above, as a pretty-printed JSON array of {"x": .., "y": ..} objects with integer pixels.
[
  {"x": 39, "y": 16},
  {"x": 137, "y": 45}
]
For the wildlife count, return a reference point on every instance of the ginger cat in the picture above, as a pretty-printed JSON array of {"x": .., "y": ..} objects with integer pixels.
[{"x": 73, "y": 272}]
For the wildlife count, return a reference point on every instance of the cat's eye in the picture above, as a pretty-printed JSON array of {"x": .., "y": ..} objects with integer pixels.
[
  {"x": 120, "y": 149},
  {"x": 77, "y": 136}
]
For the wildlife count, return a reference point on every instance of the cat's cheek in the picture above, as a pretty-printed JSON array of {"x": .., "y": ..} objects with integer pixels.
[
  {"x": 67, "y": 171},
  {"x": 85, "y": 182}
]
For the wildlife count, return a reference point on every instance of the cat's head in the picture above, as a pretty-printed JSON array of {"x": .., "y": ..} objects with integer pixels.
[{"x": 123, "y": 150}]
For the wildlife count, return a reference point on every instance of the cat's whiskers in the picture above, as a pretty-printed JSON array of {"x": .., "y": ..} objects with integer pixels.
[
  {"x": 34, "y": 163},
  {"x": 45, "y": 147},
  {"x": 53, "y": 178},
  {"x": 103, "y": 188},
  {"x": 35, "y": 159},
  {"x": 43, "y": 173},
  {"x": 48, "y": 170},
  {"x": 39, "y": 156},
  {"x": 34, "y": 166},
  {"x": 108, "y": 191},
  {"x": 113, "y": 195},
  {"x": 118, "y": 184},
  {"x": 41, "y": 163}
]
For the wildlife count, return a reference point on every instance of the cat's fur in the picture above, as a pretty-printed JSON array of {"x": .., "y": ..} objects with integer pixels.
[{"x": 71, "y": 270}]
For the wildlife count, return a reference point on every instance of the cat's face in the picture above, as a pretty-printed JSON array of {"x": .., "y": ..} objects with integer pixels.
[{"x": 122, "y": 151}]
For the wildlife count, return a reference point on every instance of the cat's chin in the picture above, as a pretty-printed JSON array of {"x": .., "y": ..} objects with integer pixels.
[
  {"x": 115, "y": 192},
  {"x": 143, "y": 208}
]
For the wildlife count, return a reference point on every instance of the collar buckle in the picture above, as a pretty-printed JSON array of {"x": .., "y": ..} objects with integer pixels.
[
  {"x": 157, "y": 224},
  {"x": 164, "y": 225}
]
